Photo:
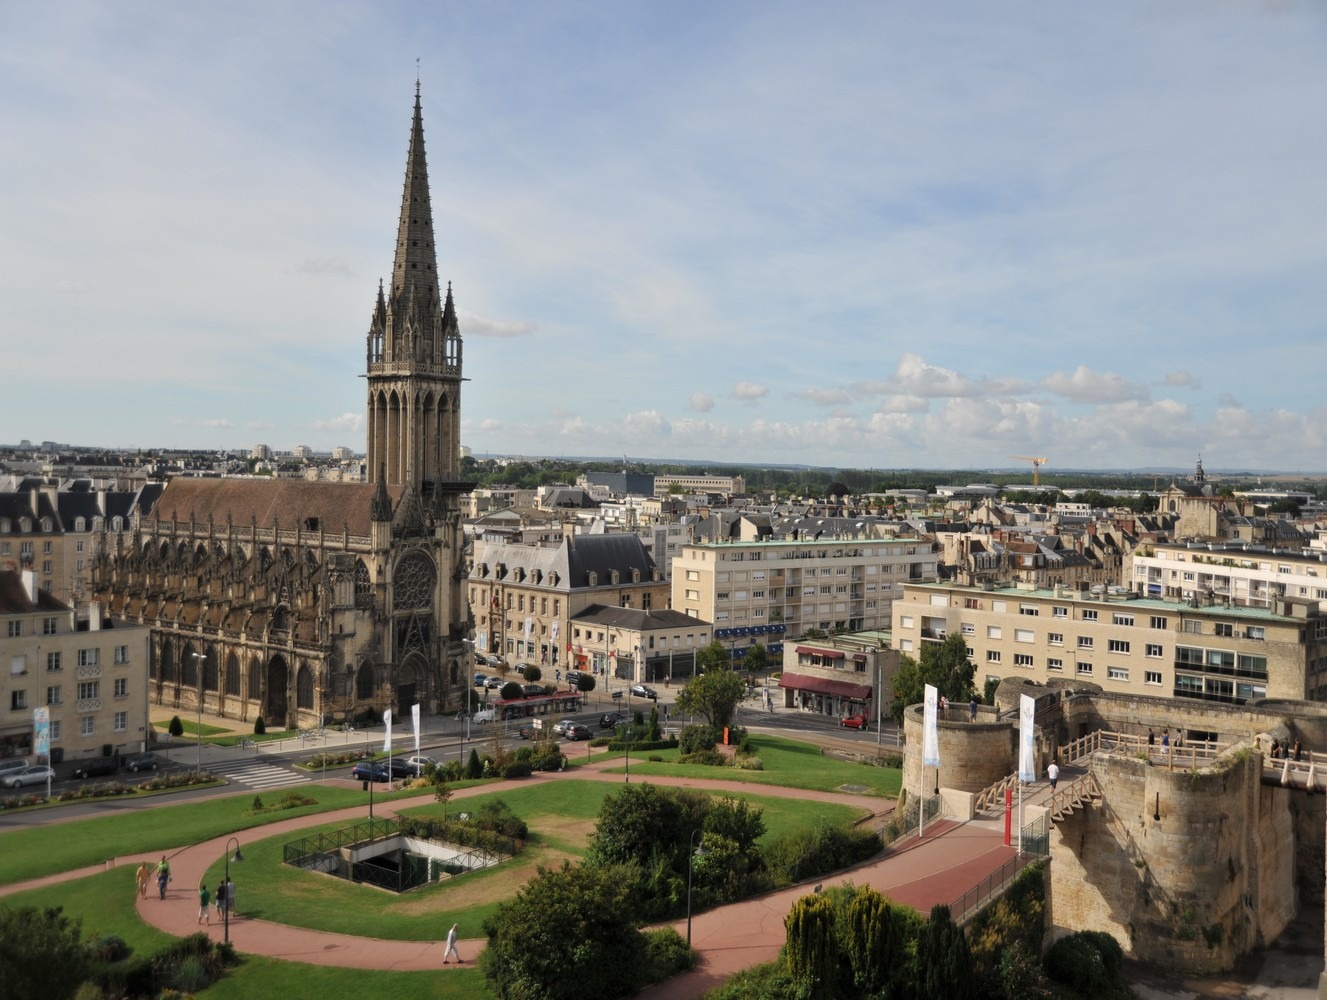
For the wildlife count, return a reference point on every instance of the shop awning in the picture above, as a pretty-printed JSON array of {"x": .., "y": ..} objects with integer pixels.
[
  {"x": 828, "y": 654},
  {"x": 823, "y": 685}
]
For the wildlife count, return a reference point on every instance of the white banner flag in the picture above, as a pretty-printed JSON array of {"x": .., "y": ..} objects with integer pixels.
[
  {"x": 41, "y": 731},
  {"x": 529, "y": 624},
  {"x": 387, "y": 724},
  {"x": 414, "y": 720},
  {"x": 554, "y": 629},
  {"x": 930, "y": 732},
  {"x": 483, "y": 640},
  {"x": 1027, "y": 738}
]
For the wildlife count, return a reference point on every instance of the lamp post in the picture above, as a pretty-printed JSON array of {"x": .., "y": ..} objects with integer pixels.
[
  {"x": 199, "y": 694},
  {"x": 225, "y": 914},
  {"x": 693, "y": 851}
]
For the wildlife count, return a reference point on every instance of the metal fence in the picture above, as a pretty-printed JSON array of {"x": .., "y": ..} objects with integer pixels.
[
  {"x": 312, "y": 852},
  {"x": 903, "y": 822},
  {"x": 968, "y": 904}
]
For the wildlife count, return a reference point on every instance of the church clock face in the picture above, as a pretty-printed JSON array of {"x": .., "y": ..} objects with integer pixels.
[{"x": 413, "y": 582}]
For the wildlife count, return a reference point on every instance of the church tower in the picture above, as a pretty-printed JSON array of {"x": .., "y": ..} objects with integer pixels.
[{"x": 414, "y": 350}]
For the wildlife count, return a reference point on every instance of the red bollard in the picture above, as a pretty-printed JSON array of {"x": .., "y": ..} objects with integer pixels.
[{"x": 1008, "y": 815}]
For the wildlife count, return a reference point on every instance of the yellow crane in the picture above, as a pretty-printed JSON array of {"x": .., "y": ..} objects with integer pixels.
[{"x": 1037, "y": 463}]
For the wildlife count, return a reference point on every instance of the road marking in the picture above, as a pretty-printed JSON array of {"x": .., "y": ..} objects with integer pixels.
[{"x": 256, "y": 774}]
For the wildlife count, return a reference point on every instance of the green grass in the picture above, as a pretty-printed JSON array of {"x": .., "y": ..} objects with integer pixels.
[
  {"x": 788, "y": 764},
  {"x": 560, "y": 816},
  {"x": 32, "y": 852}
]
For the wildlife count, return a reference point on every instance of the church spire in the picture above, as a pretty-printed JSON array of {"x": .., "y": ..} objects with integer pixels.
[{"x": 415, "y": 272}]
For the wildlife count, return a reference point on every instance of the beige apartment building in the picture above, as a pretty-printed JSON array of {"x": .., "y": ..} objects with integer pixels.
[
  {"x": 1237, "y": 573},
  {"x": 91, "y": 676},
  {"x": 757, "y": 590},
  {"x": 1125, "y": 643}
]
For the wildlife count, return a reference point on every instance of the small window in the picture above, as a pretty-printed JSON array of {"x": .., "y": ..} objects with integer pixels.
[
  {"x": 1084, "y": 642},
  {"x": 1119, "y": 646},
  {"x": 1055, "y": 638},
  {"x": 1152, "y": 677},
  {"x": 1055, "y": 663},
  {"x": 1117, "y": 673},
  {"x": 1154, "y": 649},
  {"x": 1084, "y": 669},
  {"x": 992, "y": 656},
  {"x": 1089, "y": 614}
]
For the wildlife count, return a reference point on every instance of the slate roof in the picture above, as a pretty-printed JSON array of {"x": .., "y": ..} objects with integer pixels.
[
  {"x": 572, "y": 560},
  {"x": 634, "y": 619},
  {"x": 14, "y": 596},
  {"x": 291, "y": 502}
]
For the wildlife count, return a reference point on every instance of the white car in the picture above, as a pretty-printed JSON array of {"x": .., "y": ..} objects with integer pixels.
[
  {"x": 37, "y": 774},
  {"x": 560, "y": 727},
  {"x": 417, "y": 764}
]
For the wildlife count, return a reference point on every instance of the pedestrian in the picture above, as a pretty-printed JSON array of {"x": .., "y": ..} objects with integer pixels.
[
  {"x": 220, "y": 901},
  {"x": 1151, "y": 738},
  {"x": 972, "y": 710},
  {"x": 1297, "y": 751},
  {"x": 163, "y": 875},
  {"x": 451, "y": 947},
  {"x": 1276, "y": 749},
  {"x": 204, "y": 901},
  {"x": 141, "y": 879},
  {"x": 1165, "y": 739},
  {"x": 944, "y": 706},
  {"x": 1053, "y": 774},
  {"x": 230, "y": 899}
]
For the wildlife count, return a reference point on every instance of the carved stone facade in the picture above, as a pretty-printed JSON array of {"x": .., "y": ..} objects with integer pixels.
[{"x": 307, "y": 601}]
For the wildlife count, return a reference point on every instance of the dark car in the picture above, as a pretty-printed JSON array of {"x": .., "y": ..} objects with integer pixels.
[
  {"x": 642, "y": 691},
  {"x": 96, "y": 767},
  {"x": 573, "y": 677},
  {"x": 576, "y": 731},
  {"x": 535, "y": 690},
  {"x": 399, "y": 767},
  {"x": 143, "y": 762},
  {"x": 370, "y": 770},
  {"x": 611, "y": 720},
  {"x": 529, "y": 733}
]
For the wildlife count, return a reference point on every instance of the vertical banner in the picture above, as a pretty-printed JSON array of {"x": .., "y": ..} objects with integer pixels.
[
  {"x": 483, "y": 640},
  {"x": 930, "y": 733},
  {"x": 41, "y": 732},
  {"x": 414, "y": 720},
  {"x": 1027, "y": 738},
  {"x": 387, "y": 725}
]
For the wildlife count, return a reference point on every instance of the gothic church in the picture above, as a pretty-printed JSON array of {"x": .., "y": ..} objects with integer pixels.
[{"x": 305, "y": 601}]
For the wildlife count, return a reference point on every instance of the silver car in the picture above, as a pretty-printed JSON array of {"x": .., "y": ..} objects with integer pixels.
[{"x": 37, "y": 774}]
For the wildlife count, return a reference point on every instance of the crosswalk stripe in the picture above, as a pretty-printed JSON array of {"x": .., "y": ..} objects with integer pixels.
[{"x": 256, "y": 774}]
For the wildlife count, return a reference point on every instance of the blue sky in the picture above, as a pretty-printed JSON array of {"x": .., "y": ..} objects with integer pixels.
[{"x": 874, "y": 235}]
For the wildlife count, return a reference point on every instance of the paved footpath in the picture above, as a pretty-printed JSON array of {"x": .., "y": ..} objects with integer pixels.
[{"x": 950, "y": 860}]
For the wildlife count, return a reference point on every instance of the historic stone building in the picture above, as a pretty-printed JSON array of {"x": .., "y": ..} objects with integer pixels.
[{"x": 299, "y": 601}]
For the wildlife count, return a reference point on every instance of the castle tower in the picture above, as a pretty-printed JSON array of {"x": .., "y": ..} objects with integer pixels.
[{"x": 414, "y": 350}]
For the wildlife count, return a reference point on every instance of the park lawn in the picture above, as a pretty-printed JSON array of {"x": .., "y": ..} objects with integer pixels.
[
  {"x": 32, "y": 852},
  {"x": 104, "y": 902},
  {"x": 788, "y": 764},
  {"x": 560, "y": 815},
  {"x": 190, "y": 728}
]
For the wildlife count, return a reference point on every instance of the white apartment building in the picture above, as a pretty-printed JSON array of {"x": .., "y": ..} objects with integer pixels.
[
  {"x": 663, "y": 484},
  {"x": 753, "y": 589},
  {"x": 1237, "y": 573},
  {"x": 1124, "y": 643}
]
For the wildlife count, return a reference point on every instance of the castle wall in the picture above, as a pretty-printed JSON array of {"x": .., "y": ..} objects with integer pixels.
[{"x": 973, "y": 755}]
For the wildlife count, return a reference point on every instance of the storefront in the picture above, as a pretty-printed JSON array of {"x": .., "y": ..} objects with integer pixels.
[{"x": 823, "y": 695}]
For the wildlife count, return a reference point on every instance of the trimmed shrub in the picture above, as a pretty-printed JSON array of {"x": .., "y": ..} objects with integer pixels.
[
  {"x": 1088, "y": 961},
  {"x": 699, "y": 737},
  {"x": 259, "y": 726},
  {"x": 517, "y": 769},
  {"x": 176, "y": 727}
]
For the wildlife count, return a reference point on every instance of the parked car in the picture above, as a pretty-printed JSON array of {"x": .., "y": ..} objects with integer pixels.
[
  {"x": 481, "y": 717},
  {"x": 560, "y": 727},
  {"x": 535, "y": 690},
  {"x": 36, "y": 774},
  {"x": 417, "y": 764},
  {"x": 642, "y": 691},
  {"x": 611, "y": 720},
  {"x": 95, "y": 767},
  {"x": 573, "y": 677},
  {"x": 494, "y": 682},
  {"x": 493, "y": 661},
  {"x": 11, "y": 764},
  {"x": 143, "y": 762},
  {"x": 480, "y": 680},
  {"x": 858, "y": 721},
  {"x": 529, "y": 732},
  {"x": 369, "y": 770},
  {"x": 576, "y": 731}
]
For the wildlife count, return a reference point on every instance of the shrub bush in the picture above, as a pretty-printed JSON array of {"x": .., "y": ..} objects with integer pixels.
[
  {"x": 711, "y": 758},
  {"x": 259, "y": 726},
  {"x": 1088, "y": 961},
  {"x": 517, "y": 769},
  {"x": 666, "y": 954},
  {"x": 805, "y": 854},
  {"x": 176, "y": 727},
  {"x": 699, "y": 737}
]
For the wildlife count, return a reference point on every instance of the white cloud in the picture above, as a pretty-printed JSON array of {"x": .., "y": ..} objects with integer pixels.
[
  {"x": 1087, "y": 386},
  {"x": 1182, "y": 380},
  {"x": 749, "y": 391},
  {"x": 480, "y": 326},
  {"x": 824, "y": 397},
  {"x": 217, "y": 422},
  {"x": 700, "y": 402},
  {"x": 346, "y": 423}
]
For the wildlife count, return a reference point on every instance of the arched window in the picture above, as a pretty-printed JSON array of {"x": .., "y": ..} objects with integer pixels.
[
  {"x": 210, "y": 671},
  {"x": 167, "y": 662},
  {"x": 188, "y": 668},
  {"x": 364, "y": 683},
  {"x": 363, "y": 585},
  {"x": 233, "y": 675},
  {"x": 304, "y": 687},
  {"x": 255, "y": 679}
]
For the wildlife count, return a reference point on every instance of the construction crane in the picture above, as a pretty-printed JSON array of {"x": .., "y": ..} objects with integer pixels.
[{"x": 1037, "y": 463}]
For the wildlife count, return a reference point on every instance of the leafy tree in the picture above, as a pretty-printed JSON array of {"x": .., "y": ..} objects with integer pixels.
[
  {"x": 176, "y": 727},
  {"x": 756, "y": 660},
  {"x": 714, "y": 655},
  {"x": 715, "y": 694},
  {"x": 474, "y": 767},
  {"x": 944, "y": 665},
  {"x": 41, "y": 953},
  {"x": 738, "y": 820},
  {"x": 569, "y": 933},
  {"x": 532, "y": 673},
  {"x": 511, "y": 691},
  {"x": 642, "y": 820},
  {"x": 585, "y": 683},
  {"x": 944, "y": 964},
  {"x": 812, "y": 948},
  {"x": 442, "y": 791}
]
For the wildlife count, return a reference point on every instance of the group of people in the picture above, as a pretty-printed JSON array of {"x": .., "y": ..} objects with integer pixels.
[
  {"x": 1280, "y": 751},
  {"x": 224, "y": 901}
]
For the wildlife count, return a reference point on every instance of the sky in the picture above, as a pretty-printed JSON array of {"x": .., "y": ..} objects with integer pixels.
[{"x": 876, "y": 234}]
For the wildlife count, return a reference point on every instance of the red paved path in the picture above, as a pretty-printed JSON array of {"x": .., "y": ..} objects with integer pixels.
[{"x": 939, "y": 869}]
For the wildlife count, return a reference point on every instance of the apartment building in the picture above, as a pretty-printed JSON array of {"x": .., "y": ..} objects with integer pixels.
[
  {"x": 840, "y": 675},
  {"x": 91, "y": 676},
  {"x": 778, "y": 586},
  {"x": 636, "y": 646},
  {"x": 728, "y": 485},
  {"x": 1236, "y": 573},
  {"x": 523, "y": 597},
  {"x": 1125, "y": 643}
]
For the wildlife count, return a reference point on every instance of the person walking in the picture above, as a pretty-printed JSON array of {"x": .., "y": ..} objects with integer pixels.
[
  {"x": 163, "y": 876},
  {"x": 1151, "y": 738},
  {"x": 221, "y": 901},
  {"x": 451, "y": 947},
  {"x": 972, "y": 710},
  {"x": 204, "y": 904},
  {"x": 141, "y": 879},
  {"x": 1053, "y": 775},
  {"x": 230, "y": 898}
]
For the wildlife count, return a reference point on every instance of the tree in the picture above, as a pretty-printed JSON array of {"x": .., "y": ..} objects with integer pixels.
[
  {"x": 714, "y": 655},
  {"x": 756, "y": 660},
  {"x": 715, "y": 694},
  {"x": 41, "y": 953},
  {"x": 532, "y": 673},
  {"x": 569, "y": 933},
  {"x": 176, "y": 727},
  {"x": 812, "y": 948},
  {"x": 944, "y": 964},
  {"x": 442, "y": 791},
  {"x": 645, "y": 820},
  {"x": 585, "y": 683},
  {"x": 944, "y": 665},
  {"x": 511, "y": 691}
]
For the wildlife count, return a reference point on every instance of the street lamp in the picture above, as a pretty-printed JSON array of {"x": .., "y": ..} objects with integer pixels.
[
  {"x": 693, "y": 851},
  {"x": 225, "y": 914},
  {"x": 199, "y": 695}
]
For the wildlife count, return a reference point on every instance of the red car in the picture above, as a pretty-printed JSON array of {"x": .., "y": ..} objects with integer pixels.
[{"x": 858, "y": 721}]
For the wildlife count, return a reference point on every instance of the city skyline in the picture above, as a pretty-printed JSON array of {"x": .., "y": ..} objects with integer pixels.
[{"x": 883, "y": 237}]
